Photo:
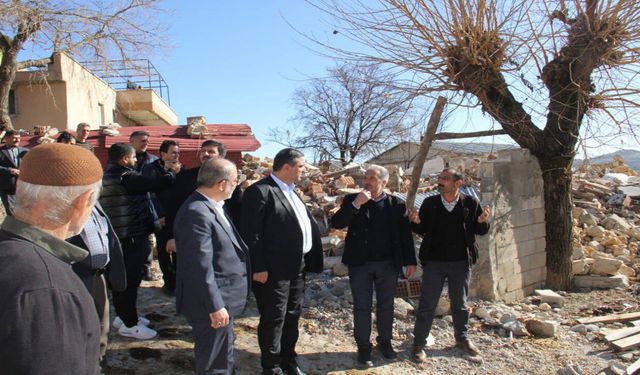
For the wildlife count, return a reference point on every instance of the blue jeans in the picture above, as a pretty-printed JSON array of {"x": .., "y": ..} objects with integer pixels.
[{"x": 434, "y": 275}]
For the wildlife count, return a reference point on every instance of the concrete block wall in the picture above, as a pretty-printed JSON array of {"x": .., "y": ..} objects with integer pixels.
[{"x": 512, "y": 259}]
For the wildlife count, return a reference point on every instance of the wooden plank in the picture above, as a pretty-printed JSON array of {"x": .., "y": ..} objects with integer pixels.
[
  {"x": 621, "y": 333},
  {"x": 610, "y": 318},
  {"x": 627, "y": 342},
  {"x": 635, "y": 366}
]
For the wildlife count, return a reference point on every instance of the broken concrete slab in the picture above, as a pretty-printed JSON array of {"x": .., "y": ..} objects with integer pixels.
[
  {"x": 600, "y": 282},
  {"x": 549, "y": 296}
]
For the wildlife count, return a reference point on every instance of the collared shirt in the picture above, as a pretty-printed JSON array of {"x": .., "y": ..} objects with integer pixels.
[
  {"x": 381, "y": 197},
  {"x": 219, "y": 208},
  {"x": 450, "y": 205},
  {"x": 300, "y": 211},
  {"x": 95, "y": 235},
  {"x": 58, "y": 248}
]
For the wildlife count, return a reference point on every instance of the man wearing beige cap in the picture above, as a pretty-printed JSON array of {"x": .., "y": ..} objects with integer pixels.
[{"x": 49, "y": 323}]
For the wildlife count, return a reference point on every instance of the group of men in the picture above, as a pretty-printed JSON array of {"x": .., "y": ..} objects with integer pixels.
[{"x": 229, "y": 243}]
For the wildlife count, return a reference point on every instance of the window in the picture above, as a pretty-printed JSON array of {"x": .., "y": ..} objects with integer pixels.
[
  {"x": 101, "y": 114},
  {"x": 13, "y": 108}
]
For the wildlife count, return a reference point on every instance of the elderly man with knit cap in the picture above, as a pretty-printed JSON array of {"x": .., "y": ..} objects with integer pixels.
[{"x": 48, "y": 320}]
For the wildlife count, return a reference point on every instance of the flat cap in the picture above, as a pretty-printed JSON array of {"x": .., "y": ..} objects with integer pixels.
[{"x": 58, "y": 164}]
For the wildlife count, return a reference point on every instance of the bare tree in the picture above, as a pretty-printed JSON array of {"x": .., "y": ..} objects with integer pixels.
[
  {"x": 98, "y": 29},
  {"x": 355, "y": 111},
  {"x": 539, "y": 68}
]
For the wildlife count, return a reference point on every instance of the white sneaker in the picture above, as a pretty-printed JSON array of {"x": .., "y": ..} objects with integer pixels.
[
  {"x": 140, "y": 332},
  {"x": 117, "y": 322}
]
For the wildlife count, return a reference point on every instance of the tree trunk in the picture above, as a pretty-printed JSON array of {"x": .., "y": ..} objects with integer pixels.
[
  {"x": 556, "y": 174},
  {"x": 8, "y": 69}
]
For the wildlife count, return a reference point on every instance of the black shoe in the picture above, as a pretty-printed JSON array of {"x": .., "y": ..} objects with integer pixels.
[
  {"x": 364, "y": 358},
  {"x": 292, "y": 370},
  {"x": 387, "y": 351}
]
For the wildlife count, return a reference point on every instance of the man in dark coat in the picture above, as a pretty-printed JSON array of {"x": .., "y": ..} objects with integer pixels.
[
  {"x": 213, "y": 275},
  {"x": 378, "y": 245},
  {"x": 449, "y": 223},
  {"x": 49, "y": 324},
  {"x": 11, "y": 155},
  {"x": 284, "y": 243},
  {"x": 126, "y": 201}
]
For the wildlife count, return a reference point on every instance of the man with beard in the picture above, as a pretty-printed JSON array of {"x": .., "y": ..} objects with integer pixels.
[
  {"x": 449, "y": 223},
  {"x": 378, "y": 245},
  {"x": 49, "y": 323},
  {"x": 284, "y": 242},
  {"x": 126, "y": 201},
  {"x": 212, "y": 279}
]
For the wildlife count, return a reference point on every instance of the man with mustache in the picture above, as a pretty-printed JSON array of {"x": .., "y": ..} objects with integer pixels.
[
  {"x": 378, "y": 245},
  {"x": 449, "y": 223}
]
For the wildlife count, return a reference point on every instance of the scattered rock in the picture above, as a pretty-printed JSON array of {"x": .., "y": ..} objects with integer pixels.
[
  {"x": 549, "y": 296},
  {"x": 542, "y": 328},
  {"x": 516, "y": 327},
  {"x": 570, "y": 370}
]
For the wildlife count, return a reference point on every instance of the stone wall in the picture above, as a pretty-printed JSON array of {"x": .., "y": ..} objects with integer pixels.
[{"x": 512, "y": 260}]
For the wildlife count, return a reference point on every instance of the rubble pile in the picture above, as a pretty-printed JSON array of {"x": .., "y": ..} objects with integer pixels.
[{"x": 606, "y": 233}]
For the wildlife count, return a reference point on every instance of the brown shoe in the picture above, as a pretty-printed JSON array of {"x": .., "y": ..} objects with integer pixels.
[
  {"x": 467, "y": 346},
  {"x": 418, "y": 354}
]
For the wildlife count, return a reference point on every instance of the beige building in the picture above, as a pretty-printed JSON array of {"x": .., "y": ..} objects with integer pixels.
[{"x": 66, "y": 93}]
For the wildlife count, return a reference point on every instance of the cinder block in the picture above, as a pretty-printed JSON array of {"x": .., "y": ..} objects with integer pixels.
[
  {"x": 515, "y": 282},
  {"x": 527, "y": 248},
  {"x": 538, "y": 230},
  {"x": 534, "y": 276},
  {"x": 523, "y": 218},
  {"x": 534, "y": 261}
]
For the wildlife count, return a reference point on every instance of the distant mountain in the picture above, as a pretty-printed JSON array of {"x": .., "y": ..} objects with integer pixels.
[{"x": 631, "y": 158}]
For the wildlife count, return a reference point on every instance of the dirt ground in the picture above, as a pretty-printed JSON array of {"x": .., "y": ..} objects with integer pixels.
[{"x": 326, "y": 345}]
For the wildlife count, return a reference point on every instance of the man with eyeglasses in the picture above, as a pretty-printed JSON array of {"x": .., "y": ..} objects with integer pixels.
[
  {"x": 449, "y": 223},
  {"x": 213, "y": 272}
]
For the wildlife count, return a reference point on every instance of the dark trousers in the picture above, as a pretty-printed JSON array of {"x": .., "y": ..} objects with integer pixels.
[
  {"x": 8, "y": 201},
  {"x": 383, "y": 276},
  {"x": 213, "y": 348},
  {"x": 97, "y": 287},
  {"x": 434, "y": 275},
  {"x": 135, "y": 251},
  {"x": 166, "y": 261},
  {"x": 280, "y": 306}
]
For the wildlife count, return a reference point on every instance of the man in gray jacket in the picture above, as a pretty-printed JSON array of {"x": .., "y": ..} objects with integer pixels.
[{"x": 212, "y": 281}]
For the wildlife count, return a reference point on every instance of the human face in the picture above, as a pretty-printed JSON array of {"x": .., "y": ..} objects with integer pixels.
[
  {"x": 83, "y": 133},
  {"x": 13, "y": 141},
  {"x": 295, "y": 172},
  {"x": 374, "y": 183},
  {"x": 446, "y": 184},
  {"x": 208, "y": 152},
  {"x": 140, "y": 143},
  {"x": 130, "y": 160},
  {"x": 172, "y": 154}
]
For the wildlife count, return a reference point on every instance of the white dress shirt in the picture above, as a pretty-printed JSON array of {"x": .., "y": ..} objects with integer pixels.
[{"x": 300, "y": 210}]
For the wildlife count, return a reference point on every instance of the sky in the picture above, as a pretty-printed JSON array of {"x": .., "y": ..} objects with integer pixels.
[{"x": 241, "y": 61}]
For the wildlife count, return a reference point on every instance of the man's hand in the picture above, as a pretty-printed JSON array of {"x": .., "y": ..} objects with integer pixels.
[
  {"x": 15, "y": 172},
  {"x": 411, "y": 270},
  {"x": 485, "y": 215},
  {"x": 413, "y": 216},
  {"x": 362, "y": 198},
  {"x": 175, "y": 166},
  {"x": 162, "y": 221},
  {"x": 261, "y": 277},
  {"x": 171, "y": 246},
  {"x": 219, "y": 318}
]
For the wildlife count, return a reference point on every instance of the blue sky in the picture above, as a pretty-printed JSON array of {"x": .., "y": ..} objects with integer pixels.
[{"x": 239, "y": 62}]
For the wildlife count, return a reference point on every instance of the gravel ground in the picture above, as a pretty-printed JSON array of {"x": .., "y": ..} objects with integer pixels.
[{"x": 326, "y": 345}]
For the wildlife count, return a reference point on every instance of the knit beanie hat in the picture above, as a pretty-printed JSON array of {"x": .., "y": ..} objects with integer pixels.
[{"x": 59, "y": 164}]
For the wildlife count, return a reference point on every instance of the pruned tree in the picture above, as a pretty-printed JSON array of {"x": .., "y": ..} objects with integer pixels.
[
  {"x": 356, "y": 111},
  {"x": 539, "y": 68},
  {"x": 98, "y": 29}
]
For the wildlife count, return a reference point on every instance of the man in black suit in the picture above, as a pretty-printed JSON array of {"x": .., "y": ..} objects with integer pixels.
[
  {"x": 212, "y": 284},
  {"x": 284, "y": 243},
  {"x": 378, "y": 245},
  {"x": 10, "y": 156}
]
